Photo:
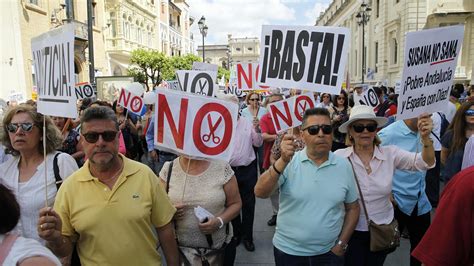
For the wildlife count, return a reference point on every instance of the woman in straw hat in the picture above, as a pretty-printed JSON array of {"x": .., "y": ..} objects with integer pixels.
[{"x": 374, "y": 166}]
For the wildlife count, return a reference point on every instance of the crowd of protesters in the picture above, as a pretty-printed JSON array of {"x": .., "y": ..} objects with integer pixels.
[{"x": 346, "y": 167}]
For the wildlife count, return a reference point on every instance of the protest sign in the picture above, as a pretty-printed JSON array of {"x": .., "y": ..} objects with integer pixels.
[
  {"x": 367, "y": 97},
  {"x": 233, "y": 89},
  {"x": 304, "y": 57},
  {"x": 134, "y": 103},
  {"x": 198, "y": 82},
  {"x": 85, "y": 90},
  {"x": 53, "y": 59},
  {"x": 204, "y": 67},
  {"x": 247, "y": 75},
  {"x": 428, "y": 72},
  {"x": 195, "y": 125},
  {"x": 288, "y": 113}
]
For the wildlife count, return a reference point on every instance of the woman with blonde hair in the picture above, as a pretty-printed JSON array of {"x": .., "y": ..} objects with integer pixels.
[{"x": 24, "y": 173}]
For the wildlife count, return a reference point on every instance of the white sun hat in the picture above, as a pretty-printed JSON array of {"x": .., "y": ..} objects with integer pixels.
[{"x": 362, "y": 112}]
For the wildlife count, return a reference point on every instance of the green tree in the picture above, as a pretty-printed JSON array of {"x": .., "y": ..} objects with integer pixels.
[
  {"x": 223, "y": 72},
  {"x": 149, "y": 67},
  {"x": 184, "y": 62}
]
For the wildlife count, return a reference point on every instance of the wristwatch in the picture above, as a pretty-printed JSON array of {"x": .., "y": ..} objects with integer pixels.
[{"x": 344, "y": 246}]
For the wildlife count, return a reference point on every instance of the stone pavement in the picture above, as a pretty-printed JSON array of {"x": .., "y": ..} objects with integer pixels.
[{"x": 263, "y": 234}]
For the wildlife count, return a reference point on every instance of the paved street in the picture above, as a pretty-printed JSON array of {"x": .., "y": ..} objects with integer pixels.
[{"x": 263, "y": 234}]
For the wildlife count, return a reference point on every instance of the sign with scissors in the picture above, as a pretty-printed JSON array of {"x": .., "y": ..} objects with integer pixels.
[{"x": 194, "y": 125}]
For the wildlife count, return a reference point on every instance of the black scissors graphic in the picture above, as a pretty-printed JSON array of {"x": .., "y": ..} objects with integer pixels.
[{"x": 212, "y": 130}]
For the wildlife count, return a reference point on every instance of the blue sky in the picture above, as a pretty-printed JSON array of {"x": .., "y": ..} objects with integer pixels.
[{"x": 244, "y": 18}]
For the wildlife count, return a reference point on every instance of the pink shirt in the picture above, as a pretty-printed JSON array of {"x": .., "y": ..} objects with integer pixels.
[
  {"x": 377, "y": 186},
  {"x": 244, "y": 139}
]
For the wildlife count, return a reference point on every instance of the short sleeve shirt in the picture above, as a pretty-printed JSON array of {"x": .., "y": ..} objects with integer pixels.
[
  {"x": 266, "y": 124},
  {"x": 115, "y": 227},
  {"x": 312, "y": 200},
  {"x": 454, "y": 160}
]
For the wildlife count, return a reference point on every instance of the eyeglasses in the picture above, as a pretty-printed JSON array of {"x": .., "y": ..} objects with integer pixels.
[
  {"x": 360, "y": 128},
  {"x": 93, "y": 137},
  {"x": 341, "y": 98},
  {"x": 325, "y": 96},
  {"x": 469, "y": 112},
  {"x": 254, "y": 100},
  {"x": 25, "y": 127},
  {"x": 314, "y": 129}
]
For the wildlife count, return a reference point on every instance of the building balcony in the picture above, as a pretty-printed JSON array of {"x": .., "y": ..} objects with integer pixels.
[{"x": 122, "y": 45}]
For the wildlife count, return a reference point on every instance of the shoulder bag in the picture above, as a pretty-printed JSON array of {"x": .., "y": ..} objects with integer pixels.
[{"x": 383, "y": 237}]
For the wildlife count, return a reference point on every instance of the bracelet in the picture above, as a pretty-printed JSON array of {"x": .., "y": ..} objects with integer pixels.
[
  {"x": 222, "y": 222},
  {"x": 427, "y": 145},
  {"x": 276, "y": 170}
]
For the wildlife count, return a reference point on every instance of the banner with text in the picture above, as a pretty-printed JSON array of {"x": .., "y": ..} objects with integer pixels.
[
  {"x": 247, "y": 75},
  {"x": 85, "y": 90},
  {"x": 198, "y": 82},
  {"x": 204, "y": 66},
  {"x": 195, "y": 125},
  {"x": 428, "y": 72},
  {"x": 304, "y": 57},
  {"x": 288, "y": 113},
  {"x": 53, "y": 60},
  {"x": 131, "y": 101}
]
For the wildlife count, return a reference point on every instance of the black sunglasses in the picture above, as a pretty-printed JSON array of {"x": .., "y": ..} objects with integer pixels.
[
  {"x": 314, "y": 130},
  {"x": 254, "y": 100},
  {"x": 93, "y": 137},
  {"x": 360, "y": 128},
  {"x": 13, "y": 127}
]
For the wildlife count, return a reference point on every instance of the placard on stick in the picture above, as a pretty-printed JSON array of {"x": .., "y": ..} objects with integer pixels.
[
  {"x": 428, "y": 73},
  {"x": 368, "y": 97},
  {"x": 53, "y": 59},
  {"x": 198, "y": 82},
  {"x": 195, "y": 125},
  {"x": 288, "y": 113},
  {"x": 304, "y": 57}
]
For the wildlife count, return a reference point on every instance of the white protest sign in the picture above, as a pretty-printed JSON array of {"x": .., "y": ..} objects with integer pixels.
[
  {"x": 232, "y": 89},
  {"x": 198, "y": 82},
  {"x": 195, "y": 125},
  {"x": 367, "y": 97},
  {"x": 85, "y": 90},
  {"x": 247, "y": 75},
  {"x": 204, "y": 66},
  {"x": 134, "y": 103},
  {"x": 53, "y": 59},
  {"x": 304, "y": 57},
  {"x": 428, "y": 72},
  {"x": 171, "y": 84},
  {"x": 288, "y": 113},
  {"x": 17, "y": 97}
]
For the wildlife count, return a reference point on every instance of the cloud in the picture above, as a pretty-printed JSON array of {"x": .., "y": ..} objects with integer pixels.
[
  {"x": 243, "y": 18},
  {"x": 313, "y": 13}
]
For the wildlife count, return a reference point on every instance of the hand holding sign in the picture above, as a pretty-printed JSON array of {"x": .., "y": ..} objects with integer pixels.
[
  {"x": 288, "y": 147},
  {"x": 425, "y": 126},
  {"x": 289, "y": 113}
]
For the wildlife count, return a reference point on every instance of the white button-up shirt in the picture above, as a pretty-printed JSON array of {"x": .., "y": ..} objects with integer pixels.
[
  {"x": 244, "y": 139},
  {"x": 376, "y": 187}
]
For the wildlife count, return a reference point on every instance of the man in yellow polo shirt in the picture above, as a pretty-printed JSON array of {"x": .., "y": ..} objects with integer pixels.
[{"x": 110, "y": 206}]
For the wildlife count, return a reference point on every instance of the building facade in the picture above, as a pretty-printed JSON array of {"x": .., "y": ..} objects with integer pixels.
[
  {"x": 23, "y": 20},
  {"x": 384, "y": 34},
  {"x": 237, "y": 50}
]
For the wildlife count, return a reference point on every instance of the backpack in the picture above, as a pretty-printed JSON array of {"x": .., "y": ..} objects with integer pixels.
[{"x": 444, "y": 126}]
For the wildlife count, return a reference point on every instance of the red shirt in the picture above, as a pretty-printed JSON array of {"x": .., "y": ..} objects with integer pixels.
[
  {"x": 266, "y": 125},
  {"x": 450, "y": 238}
]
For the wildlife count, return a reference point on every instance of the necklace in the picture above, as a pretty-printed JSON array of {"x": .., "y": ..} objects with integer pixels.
[{"x": 115, "y": 175}]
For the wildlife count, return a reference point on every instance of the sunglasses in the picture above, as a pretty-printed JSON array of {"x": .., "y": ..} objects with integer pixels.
[
  {"x": 254, "y": 100},
  {"x": 13, "y": 127},
  {"x": 314, "y": 130},
  {"x": 341, "y": 98},
  {"x": 360, "y": 128},
  {"x": 93, "y": 137},
  {"x": 469, "y": 112}
]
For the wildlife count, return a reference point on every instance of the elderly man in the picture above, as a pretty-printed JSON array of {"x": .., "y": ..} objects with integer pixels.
[
  {"x": 111, "y": 205},
  {"x": 315, "y": 185}
]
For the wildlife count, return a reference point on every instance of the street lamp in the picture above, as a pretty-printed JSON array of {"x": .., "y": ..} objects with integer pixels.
[
  {"x": 203, "y": 29},
  {"x": 363, "y": 17},
  {"x": 228, "y": 57}
]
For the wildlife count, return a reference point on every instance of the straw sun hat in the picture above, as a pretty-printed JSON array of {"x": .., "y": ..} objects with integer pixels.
[{"x": 362, "y": 112}]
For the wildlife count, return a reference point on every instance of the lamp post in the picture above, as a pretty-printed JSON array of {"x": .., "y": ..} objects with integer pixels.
[
  {"x": 228, "y": 58},
  {"x": 363, "y": 17},
  {"x": 203, "y": 29}
]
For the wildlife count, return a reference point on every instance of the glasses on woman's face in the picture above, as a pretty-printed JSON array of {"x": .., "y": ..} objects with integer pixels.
[
  {"x": 326, "y": 96},
  {"x": 469, "y": 112},
  {"x": 359, "y": 128},
  {"x": 25, "y": 127},
  {"x": 254, "y": 99},
  {"x": 341, "y": 98}
]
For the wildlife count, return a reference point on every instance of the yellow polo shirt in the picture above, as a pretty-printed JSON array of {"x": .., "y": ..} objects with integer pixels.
[{"x": 114, "y": 227}]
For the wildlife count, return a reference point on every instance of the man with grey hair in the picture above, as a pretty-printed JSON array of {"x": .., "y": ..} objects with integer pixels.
[{"x": 109, "y": 207}]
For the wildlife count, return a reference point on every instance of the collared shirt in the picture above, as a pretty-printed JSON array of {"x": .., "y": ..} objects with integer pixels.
[
  {"x": 150, "y": 134},
  {"x": 312, "y": 200},
  {"x": 377, "y": 186},
  {"x": 408, "y": 186},
  {"x": 266, "y": 124},
  {"x": 249, "y": 116},
  {"x": 244, "y": 139},
  {"x": 114, "y": 226}
]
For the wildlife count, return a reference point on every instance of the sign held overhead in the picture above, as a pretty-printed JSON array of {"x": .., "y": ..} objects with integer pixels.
[
  {"x": 304, "y": 57},
  {"x": 198, "y": 82},
  {"x": 288, "y": 113},
  {"x": 428, "y": 72}
]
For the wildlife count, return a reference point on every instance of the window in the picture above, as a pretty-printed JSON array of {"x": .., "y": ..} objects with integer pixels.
[
  {"x": 237, "y": 49},
  {"x": 377, "y": 9},
  {"x": 34, "y": 2},
  {"x": 250, "y": 49},
  {"x": 376, "y": 55},
  {"x": 394, "y": 51},
  {"x": 94, "y": 14}
]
